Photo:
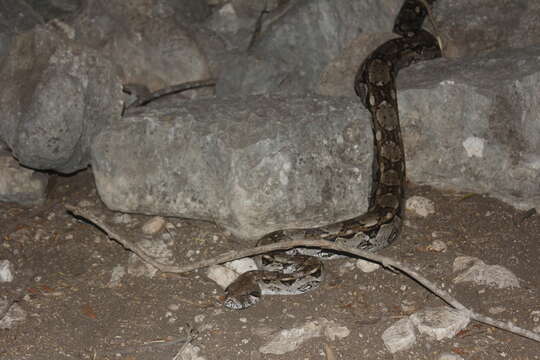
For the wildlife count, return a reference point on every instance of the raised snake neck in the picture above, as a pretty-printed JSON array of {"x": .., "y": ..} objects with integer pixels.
[{"x": 381, "y": 224}]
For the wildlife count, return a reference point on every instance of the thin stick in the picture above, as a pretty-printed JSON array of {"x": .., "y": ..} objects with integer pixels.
[
  {"x": 284, "y": 245},
  {"x": 147, "y": 346},
  {"x": 171, "y": 90},
  {"x": 191, "y": 335}
]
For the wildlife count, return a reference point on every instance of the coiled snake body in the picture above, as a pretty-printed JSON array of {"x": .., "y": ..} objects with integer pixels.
[{"x": 298, "y": 271}]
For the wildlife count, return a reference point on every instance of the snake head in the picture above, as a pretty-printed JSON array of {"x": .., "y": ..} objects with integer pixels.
[
  {"x": 242, "y": 301},
  {"x": 243, "y": 292}
]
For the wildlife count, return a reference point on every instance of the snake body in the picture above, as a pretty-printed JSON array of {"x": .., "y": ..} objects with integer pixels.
[{"x": 299, "y": 270}]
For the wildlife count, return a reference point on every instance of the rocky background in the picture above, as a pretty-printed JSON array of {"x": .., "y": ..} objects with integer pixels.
[
  {"x": 280, "y": 141},
  {"x": 470, "y": 120},
  {"x": 260, "y": 163}
]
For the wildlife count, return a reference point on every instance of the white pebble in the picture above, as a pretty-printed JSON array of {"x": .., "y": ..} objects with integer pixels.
[
  {"x": 449, "y": 356},
  {"x": 420, "y": 205},
  {"x": 221, "y": 275},
  {"x": 437, "y": 246},
  {"x": 535, "y": 315},
  {"x": 400, "y": 336},
  {"x": 241, "y": 266},
  {"x": 154, "y": 225},
  {"x": 366, "y": 266},
  {"x": 6, "y": 271}
]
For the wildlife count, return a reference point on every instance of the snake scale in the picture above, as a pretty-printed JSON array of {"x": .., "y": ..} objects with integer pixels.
[{"x": 299, "y": 270}]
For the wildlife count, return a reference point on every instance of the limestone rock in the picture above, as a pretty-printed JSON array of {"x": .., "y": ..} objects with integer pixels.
[
  {"x": 400, "y": 336},
  {"x": 441, "y": 322},
  {"x": 253, "y": 165},
  {"x": 55, "y": 96},
  {"x": 277, "y": 63}
]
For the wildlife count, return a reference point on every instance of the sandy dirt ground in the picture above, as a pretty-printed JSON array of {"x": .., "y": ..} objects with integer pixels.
[{"x": 63, "y": 268}]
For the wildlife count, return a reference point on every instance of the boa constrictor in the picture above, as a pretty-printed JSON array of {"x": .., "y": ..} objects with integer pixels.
[{"x": 299, "y": 271}]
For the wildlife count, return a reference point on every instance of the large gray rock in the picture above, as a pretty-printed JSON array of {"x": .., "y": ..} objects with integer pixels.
[
  {"x": 472, "y": 125},
  {"x": 18, "y": 16},
  {"x": 469, "y": 124},
  {"x": 294, "y": 49},
  {"x": 15, "y": 17},
  {"x": 253, "y": 165},
  {"x": 143, "y": 39},
  {"x": 55, "y": 96}
]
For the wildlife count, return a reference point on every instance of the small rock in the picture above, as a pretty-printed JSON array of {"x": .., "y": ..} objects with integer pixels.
[
  {"x": 420, "y": 205},
  {"x": 482, "y": 274},
  {"x": 437, "y": 246},
  {"x": 173, "y": 307},
  {"x": 154, "y": 225},
  {"x": 6, "y": 271},
  {"x": 19, "y": 184},
  {"x": 474, "y": 146},
  {"x": 346, "y": 267},
  {"x": 122, "y": 219},
  {"x": 463, "y": 262},
  {"x": 449, "y": 356},
  {"x": 400, "y": 336},
  {"x": 85, "y": 203},
  {"x": 367, "y": 266},
  {"x": 334, "y": 331},
  {"x": 199, "y": 318},
  {"x": 15, "y": 314},
  {"x": 117, "y": 274},
  {"x": 408, "y": 306},
  {"x": 440, "y": 322},
  {"x": 221, "y": 275},
  {"x": 494, "y": 310},
  {"x": 288, "y": 340},
  {"x": 241, "y": 266},
  {"x": 191, "y": 352}
]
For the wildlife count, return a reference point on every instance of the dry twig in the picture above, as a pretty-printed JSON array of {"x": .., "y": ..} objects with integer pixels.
[
  {"x": 173, "y": 89},
  {"x": 152, "y": 345},
  {"x": 191, "y": 335},
  {"x": 322, "y": 244}
]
